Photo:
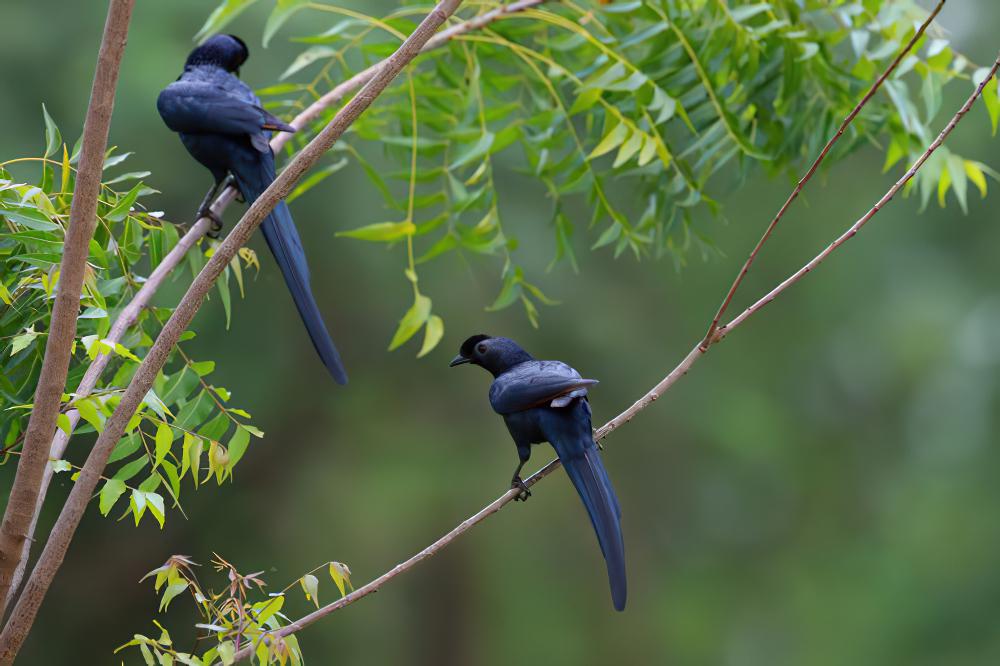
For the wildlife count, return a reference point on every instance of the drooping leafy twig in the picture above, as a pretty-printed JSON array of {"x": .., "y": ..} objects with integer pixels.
[
  {"x": 710, "y": 335},
  {"x": 62, "y": 330},
  {"x": 24, "y": 612},
  {"x": 682, "y": 369}
]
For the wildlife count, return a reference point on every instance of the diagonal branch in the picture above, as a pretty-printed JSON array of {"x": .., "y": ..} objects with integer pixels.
[
  {"x": 709, "y": 336},
  {"x": 130, "y": 314},
  {"x": 639, "y": 405},
  {"x": 28, "y": 603},
  {"x": 62, "y": 329}
]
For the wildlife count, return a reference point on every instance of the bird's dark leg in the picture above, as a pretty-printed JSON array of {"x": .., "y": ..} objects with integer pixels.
[
  {"x": 205, "y": 210},
  {"x": 523, "y": 452}
]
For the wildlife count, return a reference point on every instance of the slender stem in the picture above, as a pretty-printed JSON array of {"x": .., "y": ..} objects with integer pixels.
[
  {"x": 682, "y": 369},
  {"x": 709, "y": 336},
  {"x": 62, "y": 328},
  {"x": 49, "y": 562}
]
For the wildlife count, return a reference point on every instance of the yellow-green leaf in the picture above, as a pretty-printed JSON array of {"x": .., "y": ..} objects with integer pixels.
[
  {"x": 977, "y": 176},
  {"x": 310, "y": 585},
  {"x": 164, "y": 436},
  {"x": 112, "y": 490},
  {"x": 411, "y": 321},
  {"x": 433, "y": 333},
  {"x": 611, "y": 140},
  {"x": 381, "y": 231},
  {"x": 340, "y": 575}
]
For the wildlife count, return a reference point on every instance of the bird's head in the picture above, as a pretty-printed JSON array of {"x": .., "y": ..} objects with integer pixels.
[
  {"x": 226, "y": 51},
  {"x": 494, "y": 354}
]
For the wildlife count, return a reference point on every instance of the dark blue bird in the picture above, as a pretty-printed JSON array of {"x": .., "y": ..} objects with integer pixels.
[
  {"x": 546, "y": 401},
  {"x": 223, "y": 126}
]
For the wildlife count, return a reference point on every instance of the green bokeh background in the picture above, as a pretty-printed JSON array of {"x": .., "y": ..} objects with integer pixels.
[{"x": 821, "y": 489}]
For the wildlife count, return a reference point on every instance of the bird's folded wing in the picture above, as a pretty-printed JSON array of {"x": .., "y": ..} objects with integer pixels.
[
  {"x": 200, "y": 108},
  {"x": 536, "y": 383}
]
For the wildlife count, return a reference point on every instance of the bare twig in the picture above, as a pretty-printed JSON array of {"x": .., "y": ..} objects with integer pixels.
[
  {"x": 709, "y": 336},
  {"x": 26, "y": 609},
  {"x": 626, "y": 416},
  {"x": 62, "y": 329}
]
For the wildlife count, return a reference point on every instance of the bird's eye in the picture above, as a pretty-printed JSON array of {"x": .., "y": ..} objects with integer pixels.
[{"x": 481, "y": 348}]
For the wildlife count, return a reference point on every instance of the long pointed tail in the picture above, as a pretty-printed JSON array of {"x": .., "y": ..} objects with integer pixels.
[
  {"x": 286, "y": 246},
  {"x": 583, "y": 464}
]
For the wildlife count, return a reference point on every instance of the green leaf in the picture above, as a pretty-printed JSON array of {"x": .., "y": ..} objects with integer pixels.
[
  {"x": 476, "y": 151},
  {"x": 60, "y": 466},
  {"x": 433, "y": 333},
  {"x": 220, "y": 16},
  {"x": 53, "y": 138},
  {"x": 170, "y": 592},
  {"x": 960, "y": 182},
  {"x": 112, "y": 490},
  {"x": 21, "y": 342},
  {"x": 237, "y": 446},
  {"x": 411, "y": 321},
  {"x": 125, "y": 202},
  {"x": 89, "y": 413},
  {"x": 611, "y": 140},
  {"x": 282, "y": 11},
  {"x": 27, "y": 216},
  {"x": 164, "y": 437},
  {"x": 227, "y": 653},
  {"x": 154, "y": 502},
  {"x": 381, "y": 231}
]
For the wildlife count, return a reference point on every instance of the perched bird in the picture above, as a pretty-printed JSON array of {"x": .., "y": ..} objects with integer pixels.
[
  {"x": 546, "y": 401},
  {"x": 223, "y": 126}
]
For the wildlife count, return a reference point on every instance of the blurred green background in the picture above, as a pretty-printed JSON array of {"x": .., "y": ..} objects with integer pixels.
[{"x": 821, "y": 489}]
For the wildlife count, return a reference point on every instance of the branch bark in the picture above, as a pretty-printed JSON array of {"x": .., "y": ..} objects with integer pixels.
[
  {"x": 682, "y": 369},
  {"x": 26, "y": 609},
  {"x": 709, "y": 336},
  {"x": 62, "y": 329}
]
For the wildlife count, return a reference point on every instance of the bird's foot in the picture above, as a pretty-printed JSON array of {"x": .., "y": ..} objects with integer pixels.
[
  {"x": 217, "y": 225},
  {"x": 522, "y": 496}
]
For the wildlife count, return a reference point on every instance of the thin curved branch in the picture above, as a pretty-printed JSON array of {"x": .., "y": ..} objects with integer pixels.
[
  {"x": 128, "y": 316},
  {"x": 650, "y": 397},
  {"x": 62, "y": 329},
  {"x": 28, "y": 603},
  {"x": 709, "y": 336}
]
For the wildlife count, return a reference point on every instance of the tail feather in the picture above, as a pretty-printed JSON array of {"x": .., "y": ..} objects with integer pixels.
[
  {"x": 286, "y": 246},
  {"x": 583, "y": 464}
]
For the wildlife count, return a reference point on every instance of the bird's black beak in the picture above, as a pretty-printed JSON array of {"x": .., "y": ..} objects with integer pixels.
[{"x": 459, "y": 360}]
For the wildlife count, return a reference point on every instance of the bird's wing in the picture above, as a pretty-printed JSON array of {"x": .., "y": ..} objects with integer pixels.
[
  {"x": 199, "y": 107},
  {"x": 537, "y": 383}
]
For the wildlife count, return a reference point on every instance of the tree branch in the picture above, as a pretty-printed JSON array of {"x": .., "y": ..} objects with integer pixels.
[
  {"x": 62, "y": 329},
  {"x": 26, "y": 609},
  {"x": 709, "y": 336},
  {"x": 128, "y": 316},
  {"x": 626, "y": 416}
]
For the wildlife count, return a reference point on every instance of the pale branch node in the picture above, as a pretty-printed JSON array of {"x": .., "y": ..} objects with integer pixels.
[
  {"x": 709, "y": 336},
  {"x": 26, "y": 608},
  {"x": 62, "y": 328},
  {"x": 131, "y": 312},
  {"x": 656, "y": 392}
]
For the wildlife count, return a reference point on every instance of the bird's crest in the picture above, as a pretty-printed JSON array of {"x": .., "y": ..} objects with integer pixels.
[{"x": 469, "y": 345}]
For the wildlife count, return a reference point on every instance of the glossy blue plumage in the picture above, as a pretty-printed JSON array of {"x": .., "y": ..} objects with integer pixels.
[
  {"x": 546, "y": 401},
  {"x": 222, "y": 124}
]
